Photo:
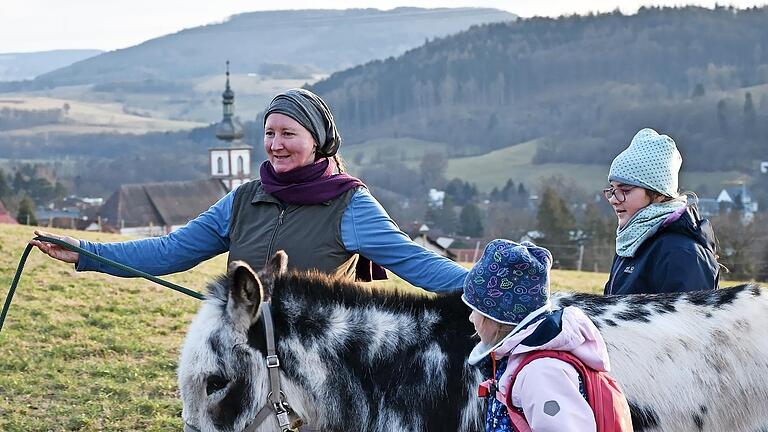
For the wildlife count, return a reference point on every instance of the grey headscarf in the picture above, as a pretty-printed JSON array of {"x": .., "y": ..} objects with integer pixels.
[{"x": 312, "y": 113}]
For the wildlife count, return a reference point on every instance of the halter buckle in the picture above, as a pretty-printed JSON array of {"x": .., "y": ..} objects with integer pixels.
[{"x": 273, "y": 361}]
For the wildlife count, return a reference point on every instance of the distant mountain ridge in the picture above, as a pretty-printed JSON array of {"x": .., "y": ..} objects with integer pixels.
[
  {"x": 315, "y": 40},
  {"x": 26, "y": 66},
  {"x": 586, "y": 83}
]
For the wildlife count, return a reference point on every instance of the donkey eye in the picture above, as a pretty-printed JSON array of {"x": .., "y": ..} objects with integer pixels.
[{"x": 214, "y": 383}]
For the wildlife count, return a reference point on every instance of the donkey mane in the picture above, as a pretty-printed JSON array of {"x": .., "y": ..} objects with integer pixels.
[{"x": 324, "y": 288}]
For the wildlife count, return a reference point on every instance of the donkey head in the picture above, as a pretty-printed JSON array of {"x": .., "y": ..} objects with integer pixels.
[{"x": 219, "y": 371}]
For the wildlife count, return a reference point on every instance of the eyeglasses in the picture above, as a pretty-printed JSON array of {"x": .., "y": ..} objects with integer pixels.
[{"x": 619, "y": 193}]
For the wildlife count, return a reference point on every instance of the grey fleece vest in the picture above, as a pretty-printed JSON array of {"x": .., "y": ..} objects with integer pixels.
[{"x": 310, "y": 234}]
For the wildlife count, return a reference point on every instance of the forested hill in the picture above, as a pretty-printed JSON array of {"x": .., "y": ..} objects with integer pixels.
[
  {"x": 291, "y": 43},
  {"x": 586, "y": 82}
]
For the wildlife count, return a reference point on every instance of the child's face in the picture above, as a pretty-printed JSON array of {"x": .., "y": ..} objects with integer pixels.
[{"x": 486, "y": 328}]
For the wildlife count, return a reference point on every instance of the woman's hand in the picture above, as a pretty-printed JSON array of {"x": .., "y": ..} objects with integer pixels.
[{"x": 56, "y": 251}]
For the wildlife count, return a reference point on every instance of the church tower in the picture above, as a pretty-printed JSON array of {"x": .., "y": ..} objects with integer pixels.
[{"x": 231, "y": 162}]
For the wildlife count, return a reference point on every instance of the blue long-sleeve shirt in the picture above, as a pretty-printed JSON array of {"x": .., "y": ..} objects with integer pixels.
[{"x": 366, "y": 228}]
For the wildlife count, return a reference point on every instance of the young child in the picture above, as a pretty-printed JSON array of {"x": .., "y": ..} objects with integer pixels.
[{"x": 508, "y": 291}]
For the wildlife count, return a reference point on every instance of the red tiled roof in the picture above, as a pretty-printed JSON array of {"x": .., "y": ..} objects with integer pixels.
[{"x": 6, "y": 217}]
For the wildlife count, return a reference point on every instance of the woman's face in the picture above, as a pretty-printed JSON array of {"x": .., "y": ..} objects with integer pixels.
[
  {"x": 635, "y": 199},
  {"x": 486, "y": 328},
  {"x": 287, "y": 143}
]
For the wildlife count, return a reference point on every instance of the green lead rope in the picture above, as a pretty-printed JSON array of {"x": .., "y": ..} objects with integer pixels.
[{"x": 92, "y": 255}]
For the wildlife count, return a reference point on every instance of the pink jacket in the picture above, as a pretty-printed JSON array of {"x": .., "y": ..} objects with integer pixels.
[{"x": 546, "y": 380}]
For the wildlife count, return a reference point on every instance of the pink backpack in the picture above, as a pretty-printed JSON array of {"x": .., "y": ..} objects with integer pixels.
[{"x": 603, "y": 394}]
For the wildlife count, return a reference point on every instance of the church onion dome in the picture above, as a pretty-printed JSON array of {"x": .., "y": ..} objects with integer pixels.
[
  {"x": 228, "y": 95},
  {"x": 229, "y": 129}
]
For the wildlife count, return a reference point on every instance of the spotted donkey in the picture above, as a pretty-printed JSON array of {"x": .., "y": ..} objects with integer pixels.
[{"x": 357, "y": 360}]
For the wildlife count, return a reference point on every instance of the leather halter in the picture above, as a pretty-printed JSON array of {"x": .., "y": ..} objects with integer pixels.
[{"x": 276, "y": 403}]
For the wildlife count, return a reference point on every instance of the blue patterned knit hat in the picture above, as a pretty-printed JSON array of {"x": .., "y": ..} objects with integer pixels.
[
  {"x": 510, "y": 281},
  {"x": 651, "y": 161}
]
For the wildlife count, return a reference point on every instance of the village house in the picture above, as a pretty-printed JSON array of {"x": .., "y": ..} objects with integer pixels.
[
  {"x": 155, "y": 209},
  {"x": 732, "y": 198}
]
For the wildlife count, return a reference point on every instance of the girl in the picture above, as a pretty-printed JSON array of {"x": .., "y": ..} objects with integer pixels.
[
  {"x": 508, "y": 292},
  {"x": 661, "y": 243}
]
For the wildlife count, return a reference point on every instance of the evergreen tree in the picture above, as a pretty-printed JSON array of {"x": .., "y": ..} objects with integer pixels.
[
  {"x": 443, "y": 217},
  {"x": 470, "y": 221},
  {"x": 26, "y": 213},
  {"x": 750, "y": 117},
  {"x": 597, "y": 228},
  {"x": 495, "y": 195},
  {"x": 722, "y": 117},
  {"x": 509, "y": 191},
  {"x": 555, "y": 220},
  {"x": 19, "y": 183},
  {"x": 521, "y": 191},
  {"x": 600, "y": 233},
  {"x": 521, "y": 199},
  {"x": 698, "y": 91},
  {"x": 5, "y": 188}
]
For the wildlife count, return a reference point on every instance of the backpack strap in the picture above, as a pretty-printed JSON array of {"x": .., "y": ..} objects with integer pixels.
[
  {"x": 489, "y": 388},
  {"x": 518, "y": 419},
  {"x": 515, "y": 415}
]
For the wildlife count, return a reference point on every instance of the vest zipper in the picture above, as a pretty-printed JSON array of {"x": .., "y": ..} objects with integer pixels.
[{"x": 274, "y": 235}]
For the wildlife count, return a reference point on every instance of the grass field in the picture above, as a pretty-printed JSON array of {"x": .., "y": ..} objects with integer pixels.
[
  {"x": 91, "y": 352},
  {"x": 94, "y": 117}
]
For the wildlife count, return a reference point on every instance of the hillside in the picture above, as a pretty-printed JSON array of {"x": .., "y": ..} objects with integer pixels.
[
  {"x": 90, "y": 352},
  {"x": 26, "y": 66},
  {"x": 181, "y": 74},
  {"x": 516, "y": 162},
  {"x": 276, "y": 42},
  {"x": 586, "y": 82}
]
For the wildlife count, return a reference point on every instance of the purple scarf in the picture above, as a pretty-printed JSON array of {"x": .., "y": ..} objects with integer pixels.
[
  {"x": 315, "y": 184},
  {"x": 311, "y": 184}
]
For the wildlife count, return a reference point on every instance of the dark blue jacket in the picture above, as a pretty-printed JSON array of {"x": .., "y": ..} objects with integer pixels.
[{"x": 679, "y": 257}]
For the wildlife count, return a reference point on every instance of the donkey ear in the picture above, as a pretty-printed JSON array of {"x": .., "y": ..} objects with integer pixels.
[
  {"x": 246, "y": 289},
  {"x": 277, "y": 266}
]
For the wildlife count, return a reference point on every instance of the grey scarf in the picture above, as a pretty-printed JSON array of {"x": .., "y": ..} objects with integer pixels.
[{"x": 645, "y": 223}]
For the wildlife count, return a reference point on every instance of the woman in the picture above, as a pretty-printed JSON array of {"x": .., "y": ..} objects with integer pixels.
[
  {"x": 661, "y": 243},
  {"x": 303, "y": 204}
]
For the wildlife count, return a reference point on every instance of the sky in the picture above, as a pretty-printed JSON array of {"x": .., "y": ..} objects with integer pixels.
[{"x": 40, "y": 25}]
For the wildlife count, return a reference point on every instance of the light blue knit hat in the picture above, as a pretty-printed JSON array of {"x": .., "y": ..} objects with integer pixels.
[{"x": 651, "y": 161}]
